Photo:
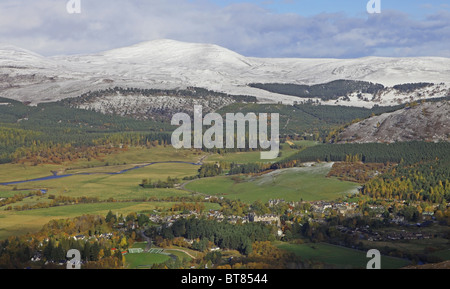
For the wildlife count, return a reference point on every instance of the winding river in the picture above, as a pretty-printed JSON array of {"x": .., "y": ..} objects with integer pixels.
[{"x": 54, "y": 177}]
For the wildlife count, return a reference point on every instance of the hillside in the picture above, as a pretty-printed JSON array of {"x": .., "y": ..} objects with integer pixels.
[
  {"x": 433, "y": 266},
  {"x": 153, "y": 104},
  {"x": 428, "y": 121},
  {"x": 167, "y": 64}
]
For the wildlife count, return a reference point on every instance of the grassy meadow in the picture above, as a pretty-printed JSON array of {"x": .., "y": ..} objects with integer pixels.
[
  {"x": 147, "y": 259},
  {"x": 144, "y": 260},
  {"x": 341, "y": 257},
  {"x": 17, "y": 223},
  {"x": 122, "y": 187},
  {"x": 290, "y": 184},
  {"x": 108, "y": 164},
  {"x": 307, "y": 183},
  {"x": 255, "y": 157}
]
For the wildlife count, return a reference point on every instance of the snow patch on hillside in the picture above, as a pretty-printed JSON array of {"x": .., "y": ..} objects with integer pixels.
[
  {"x": 168, "y": 64},
  {"x": 152, "y": 107}
]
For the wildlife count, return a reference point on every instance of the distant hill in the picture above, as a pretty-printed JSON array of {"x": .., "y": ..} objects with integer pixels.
[
  {"x": 428, "y": 121},
  {"x": 170, "y": 65}
]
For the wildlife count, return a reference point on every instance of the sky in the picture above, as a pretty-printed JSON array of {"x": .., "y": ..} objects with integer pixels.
[{"x": 254, "y": 28}]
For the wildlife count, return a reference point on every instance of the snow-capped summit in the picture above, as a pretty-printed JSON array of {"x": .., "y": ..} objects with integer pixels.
[
  {"x": 177, "y": 53},
  {"x": 11, "y": 55},
  {"x": 169, "y": 64}
]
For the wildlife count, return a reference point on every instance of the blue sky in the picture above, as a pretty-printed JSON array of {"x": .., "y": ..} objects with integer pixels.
[
  {"x": 258, "y": 28},
  {"x": 415, "y": 8}
]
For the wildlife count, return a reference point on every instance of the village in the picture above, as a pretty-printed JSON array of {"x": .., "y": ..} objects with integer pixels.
[
  {"x": 318, "y": 213},
  {"x": 398, "y": 229}
]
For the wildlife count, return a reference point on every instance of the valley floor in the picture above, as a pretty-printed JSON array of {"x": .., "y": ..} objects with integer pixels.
[{"x": 113, "y": 185}]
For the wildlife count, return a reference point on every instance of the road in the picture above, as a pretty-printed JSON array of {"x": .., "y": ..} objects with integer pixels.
[
  {"x": 179, "y": 250},
  {"x": 147, "y": 239}
]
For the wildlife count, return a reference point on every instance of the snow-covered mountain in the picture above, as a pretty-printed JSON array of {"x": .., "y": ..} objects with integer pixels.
[{"x": 168, "y": 64}]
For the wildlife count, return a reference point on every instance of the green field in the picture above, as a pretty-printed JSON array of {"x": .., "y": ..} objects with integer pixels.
[
  {"x": 123, "y": 187},
  {"x": 19, "y": 172},
  {"x": 12, "y": 193},
  {"x": 98, "y": 208},
  {"x": 438, "y": 247},
  {"x": 19, "y": 223},
  {"x": 120, "y": 187},
  {"x": 255, "y": 157},
  {"x": 305, "y": 143},
  {"x": 290, "y": 184},
  {"x": 239, "y": 157},
  {"x": 444, "y": 254},
  {"x": 109, "y": 164},
  {"x": 181, "y": 253},
  {"x": 307, "y": 183},
  {"x": 341, "y": 257},
  {"x": 144, "y": 260}
]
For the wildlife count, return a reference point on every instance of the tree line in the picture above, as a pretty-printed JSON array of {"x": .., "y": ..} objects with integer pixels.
[
  {"x": 53, "y": 133},
  {"x": 327, "y": 91},
  {"x": 159, "y": 184},
  {"x": 425, "y": 181},
  {"x": 408, "y": 152},
  {"x": 222, "y": 234},
  {"x": 50, "y": 245},
  {"x": 193, "y": 92}
]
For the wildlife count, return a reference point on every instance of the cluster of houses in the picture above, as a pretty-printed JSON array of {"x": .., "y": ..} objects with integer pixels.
[
  {"x": 404, "y": 235},
  {"x": 345, "y": 209},
  {"x": 365, "y": 233},
  {"x": 273, "y": 203},
  {"x": 219, "y": 216},
  {"x": 107, "y": 236}
]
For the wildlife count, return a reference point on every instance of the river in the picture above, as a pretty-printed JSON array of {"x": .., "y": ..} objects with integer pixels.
[{"x": 54, "y": 177}]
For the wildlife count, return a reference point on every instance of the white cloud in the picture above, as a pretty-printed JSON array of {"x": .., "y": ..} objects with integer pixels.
[{"x": 45, "y": 27}]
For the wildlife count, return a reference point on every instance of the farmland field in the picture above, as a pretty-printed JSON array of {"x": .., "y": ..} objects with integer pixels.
[
  {"x": 108, "y": 164},
  {"x": 14, "y": 223},
  {"x": 121, "y": 186},
  {"x": 307, "y": 183},
  {"x": 341, "y": 257},
  {"x": 255, "y": 157},
  {"x": 97, "y": 182},
  {"x": 290, "y": 184},
  {"x": 147, "y": 259},
  {"x": 144, "y": 260}
]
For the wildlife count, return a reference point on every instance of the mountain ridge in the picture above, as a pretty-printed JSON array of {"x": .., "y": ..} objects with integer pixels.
[
  {"x": 429, "y": 121},
  {"x": 170, "y": 64}
]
